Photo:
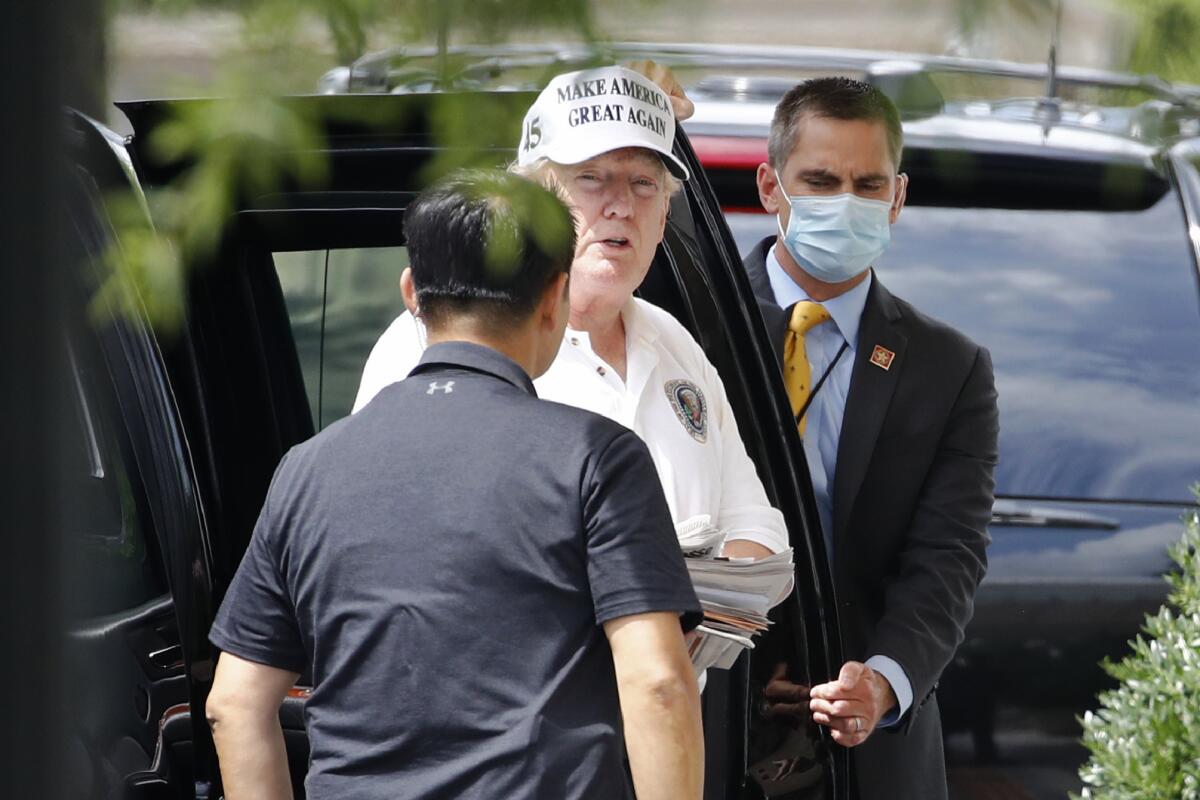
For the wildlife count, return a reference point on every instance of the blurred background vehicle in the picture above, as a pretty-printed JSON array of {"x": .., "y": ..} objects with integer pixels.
[{"x": 1050, "y": 218}]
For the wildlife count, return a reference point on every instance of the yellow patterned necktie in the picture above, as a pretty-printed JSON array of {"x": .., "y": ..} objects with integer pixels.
[{"x": 797, "y": 374}]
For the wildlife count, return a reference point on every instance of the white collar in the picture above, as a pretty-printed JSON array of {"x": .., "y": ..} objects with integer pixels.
[
  {"x": 846, "y": 309},
  {"x": 633, "y": 317}
]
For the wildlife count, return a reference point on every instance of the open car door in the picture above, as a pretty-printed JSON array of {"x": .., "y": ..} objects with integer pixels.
[{"x": 129, "y": 513}]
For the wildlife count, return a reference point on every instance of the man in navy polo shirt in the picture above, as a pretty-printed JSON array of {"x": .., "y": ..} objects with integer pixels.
[{"x": 486, "y": 587}]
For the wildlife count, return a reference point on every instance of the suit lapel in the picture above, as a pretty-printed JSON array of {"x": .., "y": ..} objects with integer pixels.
[
  {"x": 867, "y": 401},
  {"x": 756, "y": 268},
  {"x": 774, "y": 316}
]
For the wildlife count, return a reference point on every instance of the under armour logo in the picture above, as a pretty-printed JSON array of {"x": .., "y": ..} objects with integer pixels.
[{"x": 446, "y": 389}]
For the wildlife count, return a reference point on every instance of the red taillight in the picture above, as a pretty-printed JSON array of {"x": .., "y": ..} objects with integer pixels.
[{"x": 730, "y": 152}]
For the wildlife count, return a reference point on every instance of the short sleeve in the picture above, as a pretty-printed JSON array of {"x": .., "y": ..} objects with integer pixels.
[
  {"x": 633, "y": 559},
  {"x": 257, "y": 619}
]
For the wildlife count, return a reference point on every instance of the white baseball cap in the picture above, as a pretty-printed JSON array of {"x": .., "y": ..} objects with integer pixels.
[{"x": 582, "y": 114}]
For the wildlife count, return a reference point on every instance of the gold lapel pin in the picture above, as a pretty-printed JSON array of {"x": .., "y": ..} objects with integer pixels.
[{"x": 882, "y": 357}]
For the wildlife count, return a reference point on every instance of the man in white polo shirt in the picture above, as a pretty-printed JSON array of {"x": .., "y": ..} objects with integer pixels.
[{"x": 603, "y": 138}]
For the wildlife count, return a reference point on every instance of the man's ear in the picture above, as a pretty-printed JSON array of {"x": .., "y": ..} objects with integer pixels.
[
  {"x": 899, "y": 197},
  {"x": 767, "y": 184},
  {"x": 554, "y": 297},
  {"x": 408, "y": 291}
]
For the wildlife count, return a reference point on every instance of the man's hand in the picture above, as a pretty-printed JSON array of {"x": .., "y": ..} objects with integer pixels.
[
  {"x": 680, "y": 104},
  {"x": 852, "y": 705}
]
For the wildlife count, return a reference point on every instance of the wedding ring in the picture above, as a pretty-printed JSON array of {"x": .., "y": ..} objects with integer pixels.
[{"x": 858, "y": 724}]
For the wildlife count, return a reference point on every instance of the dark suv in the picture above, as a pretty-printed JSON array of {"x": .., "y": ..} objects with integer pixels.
[
  {"x": 1056, "y": 232},
  {"x": 180, "y": 430}
]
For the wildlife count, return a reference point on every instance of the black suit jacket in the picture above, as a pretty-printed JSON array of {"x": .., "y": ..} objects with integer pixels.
[{"x": 912, "y": 497}]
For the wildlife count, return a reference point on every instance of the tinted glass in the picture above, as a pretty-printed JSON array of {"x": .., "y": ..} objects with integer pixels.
[
  {"x": 338, "y": 301},
  {"x": 102, "y": 509},
  {"x": 1093, "y": 321}
]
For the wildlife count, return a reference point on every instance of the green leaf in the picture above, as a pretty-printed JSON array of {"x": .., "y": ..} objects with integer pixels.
[{"x": 1144, "y": 740}]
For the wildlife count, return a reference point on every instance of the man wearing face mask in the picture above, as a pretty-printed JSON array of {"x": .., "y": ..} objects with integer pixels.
[{"x": 898, "y": 417}]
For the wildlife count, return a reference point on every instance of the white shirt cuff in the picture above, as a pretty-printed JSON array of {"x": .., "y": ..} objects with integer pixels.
[
  {"x": 900, "y": 684},
  {"x": 759, "y": 524},
  {"x": 766, "y": 540}
]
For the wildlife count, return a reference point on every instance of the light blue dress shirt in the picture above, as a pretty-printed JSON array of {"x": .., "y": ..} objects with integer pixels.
[{"x": 823, "y": 429}]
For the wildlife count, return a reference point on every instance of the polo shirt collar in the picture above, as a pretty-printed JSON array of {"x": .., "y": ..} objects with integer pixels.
[
  {"x": 636, "y": 324},
  {"x": 846, "y": 309},
  {"x": 475, "y": 357},
  {"x": 640, "y": 335},
  {"x": 637, "y": 327}
]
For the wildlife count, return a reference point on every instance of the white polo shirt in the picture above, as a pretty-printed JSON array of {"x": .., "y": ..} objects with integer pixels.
[{"x": 672, "y": 398}]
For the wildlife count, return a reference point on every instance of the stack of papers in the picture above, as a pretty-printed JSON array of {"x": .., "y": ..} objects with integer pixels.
[{"x": 735, "y": 593}]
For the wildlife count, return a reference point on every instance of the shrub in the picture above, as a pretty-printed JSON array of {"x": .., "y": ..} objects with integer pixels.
[{"x": 1145, "y": 738}]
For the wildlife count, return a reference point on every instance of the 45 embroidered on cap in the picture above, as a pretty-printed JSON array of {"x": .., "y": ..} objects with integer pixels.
[{"x": 689, "y": 405}]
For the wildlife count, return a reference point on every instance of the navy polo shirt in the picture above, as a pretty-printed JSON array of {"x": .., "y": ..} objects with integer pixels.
[{"x": 442, "y": 561}]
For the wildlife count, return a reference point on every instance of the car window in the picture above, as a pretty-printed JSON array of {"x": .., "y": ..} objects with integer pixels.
[
  {"x": 103, "y": 505},
  {"x": 1093, "y": 322},
  {"x": 338, "y": 302}
]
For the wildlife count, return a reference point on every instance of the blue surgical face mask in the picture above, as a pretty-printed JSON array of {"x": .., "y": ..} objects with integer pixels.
[{"x": 833, "y": 238}]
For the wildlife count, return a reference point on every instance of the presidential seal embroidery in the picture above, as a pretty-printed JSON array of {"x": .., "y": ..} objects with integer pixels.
[{"x": 687, "y": 400}]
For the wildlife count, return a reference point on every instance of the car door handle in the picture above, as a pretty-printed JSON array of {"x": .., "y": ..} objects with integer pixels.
[
  {"x": 1008, "y": 513},
  {"x": 167, "y": 657}
]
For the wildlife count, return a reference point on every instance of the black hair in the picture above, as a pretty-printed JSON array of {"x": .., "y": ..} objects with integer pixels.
[
  {"x": 486, "y": 243},
  {"x": 833, "y": 98}
]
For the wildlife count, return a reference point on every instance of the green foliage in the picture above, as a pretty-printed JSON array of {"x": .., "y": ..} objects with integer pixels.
[
  {"x": 1163, "y": 41},
  {"x": 143, "y": 272},
  {"x": 1145, "y": 739},
  {"x": 520, "y": 208},
  {"x": 974, "y": 14},
  {"x": 352, "y": 23},
  {"x": 1165, "y": 38},
  {"x": 244, "y": 147},
  {"x": 251, "y": 144},
  {"x": 470, "y": 124}
]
